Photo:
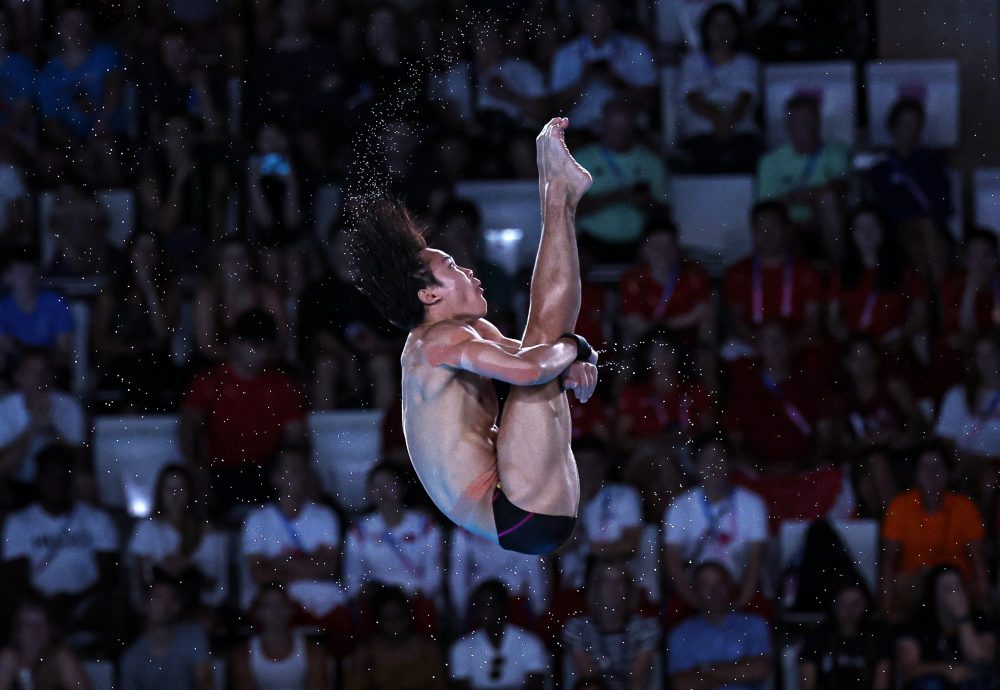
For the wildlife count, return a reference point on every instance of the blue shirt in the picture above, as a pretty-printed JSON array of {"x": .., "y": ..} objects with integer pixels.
[
  {"x": 696, "y": 642},
  {"x": 17, "y": 81},
  {"x": 74, "y": 96},
  {"x": 39, "y": 328}
]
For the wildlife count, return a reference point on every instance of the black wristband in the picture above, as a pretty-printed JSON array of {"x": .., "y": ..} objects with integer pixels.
[{"x": 583, "y": 349}]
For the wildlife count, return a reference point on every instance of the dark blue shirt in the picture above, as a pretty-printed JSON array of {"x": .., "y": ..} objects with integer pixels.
[
  {"x": 39, "y": 328},
  {"x": 917, "y": 187},
  {"x": 74, "y": 96},
  {"x": 696, "y": 642},
  {"x": 17, "y": 82}
]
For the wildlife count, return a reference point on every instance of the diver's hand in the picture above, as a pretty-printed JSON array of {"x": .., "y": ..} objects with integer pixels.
[{"x": 581, "y": 378}]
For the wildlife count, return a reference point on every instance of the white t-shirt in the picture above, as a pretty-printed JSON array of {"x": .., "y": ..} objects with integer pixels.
[
  {"x": 157, "y": 540},
  {"x": 521, "y": 654},
  {"x": 61, "y": 549},
  {"x": 721, "y": 84},
  {"x": 67, "y": 417},
  {"x": 629, "y": 58},
  {"x": 604, "y": 518},
  {"x": 977, "y": 433},
  {"x": 474, "y": 560},
  {"x": 740, "y": 523},
  {"x": 12, "y": 188},
  {"x": 407, "y": 556},
  {"x": 269, "y": 533},
  {"x": 520, "y": 77}
]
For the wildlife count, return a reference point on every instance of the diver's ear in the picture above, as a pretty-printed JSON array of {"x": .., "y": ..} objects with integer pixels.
[{"x": 428, "y": 296}]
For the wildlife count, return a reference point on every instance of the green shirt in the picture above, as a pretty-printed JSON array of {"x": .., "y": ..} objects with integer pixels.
[
  {"x": 613, "y": 171},
  {"x": 784, "y": 169}
]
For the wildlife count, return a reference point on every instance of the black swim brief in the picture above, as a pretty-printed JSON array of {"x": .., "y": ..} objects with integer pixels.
[{"x": 530, "y": 533}]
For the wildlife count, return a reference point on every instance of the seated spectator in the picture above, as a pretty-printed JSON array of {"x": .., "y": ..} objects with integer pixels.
[
  {"x": 397, "y": 657},
  {"x": 65, "y": 552},
  {"x": 34, "y": 657},
  {"x": 664, "y": 290},
  {"x": 473, "y": 560},
  {"x": 294, "y": 541},
  {"x": 718, "y": 648},
  {"x": 238, "y": 414},
  {"x": 177, "y": 543},
  {"x": 394, "y": 545},
  {"x": 929, "y": 526},
  {"x": 665, "y": 405},
  {"x": 630, "y": 186},
  {"x": 912, "y": 187},
  {"x": 31, "y": 316},
  {"x": 233, "y": 290},
  {"x": 17, "y": 75},
  {"x": 969, "y": 418},
  {"x": 946, "y": 647},
  {"x": 342, "y": 339},
  {"x": 600, "y": 63},
  {"x": 277, "y": 199},
  {"x": 612, "y": 642},
  {"x": 78, "y": 226},
  {"x": 168, "y": 655},
  {"x": 771, "y": 284},
  {"x": 719, "y": 85},
  {"x": 498, "y": 654},
  {"x": 133, "y": 323},
  {"x": 34, "y": 416},
  {"x": 277, "y": 656},
  {"x": 849, "y": 651},
  {"x": 874, "y": 294},
  {"x": 715, "y": 522},
  {"x": 969, "y": 303},
  {"x": 809, "y": 175}
]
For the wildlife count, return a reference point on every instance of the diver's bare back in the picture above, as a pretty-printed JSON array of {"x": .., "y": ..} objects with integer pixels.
[{"x": 449, "y": 419}]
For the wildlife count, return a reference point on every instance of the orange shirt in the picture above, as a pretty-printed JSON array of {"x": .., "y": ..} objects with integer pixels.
[{"x": 931, "y": 539}]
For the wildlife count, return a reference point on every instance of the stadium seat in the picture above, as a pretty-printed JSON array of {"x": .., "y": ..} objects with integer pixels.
[
  {"x": 956, "y": 224},
  {"x": 932, "y": 82},
  {"x": 789, "y": 661},
  {"x": 645, "y": 565},
  {"x": 833, "y": 84},
  {"x": 679, "y": 21},
  {"x": 346, "y": 445},
  {"x": 80, "y": 309},
  {"x": 670, "y": 104},
  {"x": 326, "y": 208},
  {"x": 119, "y": 205},
  {"x": 713, "y": 215},
  {"x": 507, "y": 205},
  {"x": 986, "y": 198},
  {"x": 128, "y": 455}
]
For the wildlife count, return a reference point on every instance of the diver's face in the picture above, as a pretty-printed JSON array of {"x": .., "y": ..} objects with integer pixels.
[{"x": 458, "y": 290}]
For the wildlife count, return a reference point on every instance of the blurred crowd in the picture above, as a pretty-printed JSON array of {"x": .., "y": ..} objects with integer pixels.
[{"x": 847, "y": 370}]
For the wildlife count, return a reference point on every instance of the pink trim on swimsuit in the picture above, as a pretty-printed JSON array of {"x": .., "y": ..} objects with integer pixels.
[{"x": 517, "y": 526}]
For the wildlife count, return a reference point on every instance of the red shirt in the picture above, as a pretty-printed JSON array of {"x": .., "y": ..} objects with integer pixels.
[
  {"x": 687, "y": 406},
  {"x": 778, "y": 426},
  {"x": 867, "y": 310},
  {"x": 780, "y": 292},
  {"x": 642, "y": 294},
  {"x": 987, "y": 304},
  {"x": 245, "y": 419}
]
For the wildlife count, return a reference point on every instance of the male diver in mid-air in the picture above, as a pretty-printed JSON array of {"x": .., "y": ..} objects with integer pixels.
[{"x": 517, "y": 484}]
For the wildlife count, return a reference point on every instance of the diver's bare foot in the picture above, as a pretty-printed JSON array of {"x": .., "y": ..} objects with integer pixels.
[{"x": 556, "y": 164}]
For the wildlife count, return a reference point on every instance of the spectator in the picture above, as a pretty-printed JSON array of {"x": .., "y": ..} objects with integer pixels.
[
  {"x": 714, "y": 522},
  {"x": 65, "y": 552},
  {"x": 912, "y": 187},
  {"x": 78, "y": 228},
  {"x": 178, "y": 543},
  {"x": 168, "y": 655},
  {"x": 809, "y": 175},
  {"x": 394, "y": 545},
  {"x": 946, "y": 647},
  {"x": 295, "y": 541},
  {"x": 31, "y": 316},
  {"x": 277, "y": 217},
  {"x": 34, "y": 657},
  {"x": 665, "y": 405},
  {"x": 474, "y": 560},
  {"x": 929, "y": 526},
  {"x": 17, "y": 75},
  {"x": 600, "y": 63},
  {"x": 612, "y": 642},
  {"x": 381, "y": 69},
  {"x": 234, "y": 289},
  {"x": 720, "y": 92},
  {"x": 396, "y": 658},
  {"x": 132, "y": 327},
  {"x": 497, "y": 654},
  {"x": 718, "y": 648},
  {"x": 277, "y": 656},
  {"x": 771, "y": 284},
  {"x": 34, "y": 416},
  {"x": 238, "y": 414},
  {"x": 630, "y": 187},
  {"x": 664, "y": 290},
  {"x": 970, "y": 419},
  {"x": 850, "y": 651}
]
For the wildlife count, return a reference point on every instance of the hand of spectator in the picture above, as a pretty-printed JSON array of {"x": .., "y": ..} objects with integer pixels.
[
  {"x": 39, "y": 409},
  {"x": 600, "y": 71},
  {"x": 175, "y": 564},
  {"x": 724, "y": 125},
  {"x": 959, "y": 673},
  {"x": 495, "y": 87}
]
